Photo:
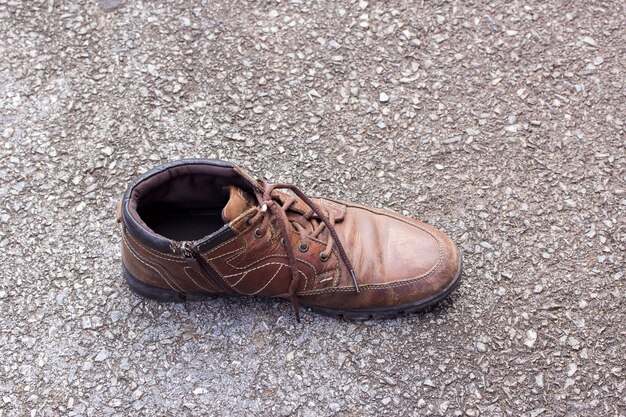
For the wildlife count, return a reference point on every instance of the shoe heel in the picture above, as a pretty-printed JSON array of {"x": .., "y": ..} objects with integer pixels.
[{"x": 149, "y": 291}]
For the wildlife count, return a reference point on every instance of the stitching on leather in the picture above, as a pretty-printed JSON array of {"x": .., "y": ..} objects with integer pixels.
[
  {"x": 318, "y": 279},
  {"x": 194, "y": 281},
  {"x": 237, "y": 232},
  {"x": 212, "y": 265},
  {"x": 242, "y": 277},
  {"x": 177, "y": 260},
  {"x": 153, "y": 253},
  {"x": 326, "y": 274},
  {"x": 254, "y": 269},
  {"x": 159, "y": 269},
  {"x": 242, "y": 249},
  {"x": 245, "y": 273},
  {"x": 385, "y": 286},
  {"x": 239, "y": 251},
  {"x": 390, "y": 214},
  {"x": 264, "y": 258},
  {"x": 228, "y": 262},
  {"x": 345, "y": 289},
  {"x": 167, "y": 257},
  {"x": 132, "y": 252},
  {"x": 397, "y": 283},
  {"x": 268, "y": 282},
  {"x": 210, "y": 261},
  {"x": 309, "y": 292}
]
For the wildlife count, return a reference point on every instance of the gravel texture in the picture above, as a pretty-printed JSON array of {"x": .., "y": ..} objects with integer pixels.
[{"x": 501, "y": 123}]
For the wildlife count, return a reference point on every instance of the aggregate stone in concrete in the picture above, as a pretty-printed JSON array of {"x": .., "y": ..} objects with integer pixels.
[{"x": 501, "y": 123}]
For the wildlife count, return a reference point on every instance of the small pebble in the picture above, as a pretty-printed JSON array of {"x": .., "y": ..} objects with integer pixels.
[
  {"x": 531, "y": 338},
  {"x": 589, "y": 41},
  {"x": 110, "y": 5},
  {"x": 102, "y": 355}
]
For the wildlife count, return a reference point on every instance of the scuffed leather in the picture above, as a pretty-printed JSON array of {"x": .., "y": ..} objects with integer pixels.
[
  {"x": 162, "y": 269},
  {"x": 398, "y": 260}
]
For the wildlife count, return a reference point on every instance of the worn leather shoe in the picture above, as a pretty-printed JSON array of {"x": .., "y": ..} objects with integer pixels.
[{"x": 193, "y": 229}]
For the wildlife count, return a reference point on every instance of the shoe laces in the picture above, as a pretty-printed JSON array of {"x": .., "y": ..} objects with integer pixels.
[{"x": 270, "y": 205}]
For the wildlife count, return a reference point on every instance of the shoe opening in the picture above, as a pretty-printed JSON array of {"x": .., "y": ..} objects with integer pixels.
[{"x": 184, "y": 202}]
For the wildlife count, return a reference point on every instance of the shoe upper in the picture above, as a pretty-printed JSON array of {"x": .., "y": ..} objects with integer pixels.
[{"x": 205, "y": 226}]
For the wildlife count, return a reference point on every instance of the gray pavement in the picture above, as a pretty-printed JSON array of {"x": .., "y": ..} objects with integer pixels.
[{"x": 501, "y": 123}]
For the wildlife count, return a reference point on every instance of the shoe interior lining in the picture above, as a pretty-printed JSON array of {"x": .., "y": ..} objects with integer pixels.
[{"x": 185, "y": 202}]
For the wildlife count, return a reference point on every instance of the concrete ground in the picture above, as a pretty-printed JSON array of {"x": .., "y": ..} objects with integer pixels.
[{"x": 501, "y": 123}]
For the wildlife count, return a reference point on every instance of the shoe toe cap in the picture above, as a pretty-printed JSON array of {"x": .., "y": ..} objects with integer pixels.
[{"x": 402, "y": 261}]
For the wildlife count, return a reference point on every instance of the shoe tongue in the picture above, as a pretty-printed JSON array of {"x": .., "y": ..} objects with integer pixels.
[{"x": 238, "y": 202}]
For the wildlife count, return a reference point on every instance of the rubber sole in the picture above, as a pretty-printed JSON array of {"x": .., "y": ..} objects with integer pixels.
[
  {"x": 391, "y": 312},
  {"x": 171, "y": 296}
]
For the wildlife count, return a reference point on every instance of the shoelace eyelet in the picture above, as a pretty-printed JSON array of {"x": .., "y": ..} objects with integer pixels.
[
  {"x": 258, "y": 234},
  {"x": 324, "y": 257},
  {"x": 272, "y": 205}
]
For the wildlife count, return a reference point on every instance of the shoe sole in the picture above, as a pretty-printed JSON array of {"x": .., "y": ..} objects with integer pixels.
[
  {"x": 390, "y": 312},
  {"x": 171, "y": 296}
]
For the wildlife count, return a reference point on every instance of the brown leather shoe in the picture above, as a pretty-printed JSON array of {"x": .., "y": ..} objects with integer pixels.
[{"x": 199, "y": 228}]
